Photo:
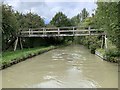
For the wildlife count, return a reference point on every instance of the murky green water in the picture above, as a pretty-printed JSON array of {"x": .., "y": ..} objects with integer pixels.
[{"x": 69, "y": 67}]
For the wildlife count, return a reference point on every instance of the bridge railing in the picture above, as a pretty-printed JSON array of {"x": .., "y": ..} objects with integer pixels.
[{"x": 58, "y": 31}]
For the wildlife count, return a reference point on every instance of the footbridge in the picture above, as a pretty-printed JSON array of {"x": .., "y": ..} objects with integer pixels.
[
  {"x": 56, "y": 32},
  {"x": 59, "y": 32}
]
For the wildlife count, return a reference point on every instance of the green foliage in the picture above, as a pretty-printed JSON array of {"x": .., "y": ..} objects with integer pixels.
[
  {"x": 113, "y": 52},
  {"x": 94, "y": 43},
  {"x": 89, "y": 21},
  {"x": 29, "y": 20},
  {"x": 84, "y": 14},
  {"x": 91, "y": 42},
  {"x": 80, "y": 18},
  {"x": 112, "y": 55},
  {"x": 101, "y": 51},
  {"x": 9, "y": 21},
  {"x": 9, "y": 24},
  {"x": 13, "y": 21},
  {"x": 9, "y": 56},
  {"x": 60, "y": 20},
  {"x": 107, "y": 17},
  {"x": 76, "y": 20}
]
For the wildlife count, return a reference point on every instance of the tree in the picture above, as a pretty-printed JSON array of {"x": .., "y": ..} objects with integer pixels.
[
  {"x": 89, "y": 21},
  {"x": 13, "y": 21},
  {"x": 9, "y": 25},
  {"x": 30, "y": 20},
  {"x": 84, "y": 14},
  {"x": 80, "y": 18},
  {"x": 60, "y": 20},
  {"x": 76, "y": 20},
  {"x": 107, "y": 16}
]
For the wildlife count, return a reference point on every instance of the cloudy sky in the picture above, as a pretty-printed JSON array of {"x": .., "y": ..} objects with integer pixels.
[{"x": 48, "y": 8}]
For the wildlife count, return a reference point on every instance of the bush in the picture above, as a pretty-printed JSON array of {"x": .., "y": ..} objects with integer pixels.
[
  {"x": 92, "y": 48},
  {"x": 113, "y": 52},
  {"x": 91, "y": 42},
  {"x": 112, "y": 55}
]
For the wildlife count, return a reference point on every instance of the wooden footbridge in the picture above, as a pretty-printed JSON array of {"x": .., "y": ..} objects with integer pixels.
[{"x": 58, "y": 32}]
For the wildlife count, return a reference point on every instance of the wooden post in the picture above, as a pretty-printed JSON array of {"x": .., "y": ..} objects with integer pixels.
[
  {"x": 16, "y": 42},
  {"x": 89, "y": 30},
  {"x": 102, "y": 44},
  {"x": 73, "y": 31},
  {"x": 29, "y": 31},
  {"x": 105, "y": 42},
  {"x": 43, "y": 31},
  {"x": 58, "y": 32},
  {"x": 21, "y": 46}
]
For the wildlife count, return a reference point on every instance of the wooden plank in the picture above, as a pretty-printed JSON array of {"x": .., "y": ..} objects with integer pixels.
[
  {"x": 53, "y": 28},
  {"x": 52, "y": 35},
  {"x": 54, "y": 31},
  {"x": 16, "y": 42},
  {"x": 57, "y": 31},
  {"x": 73, "y": 31}
]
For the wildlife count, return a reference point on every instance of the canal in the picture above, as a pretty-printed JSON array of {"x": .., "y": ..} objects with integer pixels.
[{"x": 67, "y": 67}]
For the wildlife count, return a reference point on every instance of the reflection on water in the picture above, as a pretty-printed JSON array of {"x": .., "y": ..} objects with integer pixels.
[{"x": 69, "y": 67}]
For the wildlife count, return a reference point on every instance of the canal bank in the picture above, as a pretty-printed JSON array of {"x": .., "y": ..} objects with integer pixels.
[
  {"x": 107, "y": 55},
  {"x": 72, "y": 66},
  {"x": 10, "y": 58},
  {"x": 108, "y": 52}
]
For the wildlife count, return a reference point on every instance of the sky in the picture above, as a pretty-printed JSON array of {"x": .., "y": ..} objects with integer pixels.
[{"x": 48, "y": 8}]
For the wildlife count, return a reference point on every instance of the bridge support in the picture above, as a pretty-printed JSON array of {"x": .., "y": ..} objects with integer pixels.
[
  {"x": 73, "y": 31},
  {"x": 18, "y": 40},
  {"x": 44, "y": 31},
  {"x": 104, "y": 42},
  {"x": 58, "y": 32},
  {"x": 89, "y": 30}
]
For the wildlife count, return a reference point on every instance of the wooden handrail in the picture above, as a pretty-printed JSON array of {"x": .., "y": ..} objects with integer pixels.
[{"x": 72, "y": 31}]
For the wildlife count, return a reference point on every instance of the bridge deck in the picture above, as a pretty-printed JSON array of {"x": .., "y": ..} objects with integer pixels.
[{"x": 58, "y": 32}]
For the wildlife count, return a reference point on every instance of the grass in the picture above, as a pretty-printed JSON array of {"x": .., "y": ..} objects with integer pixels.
[
  {"x": 9, "y": 56},
  {"x": 110, "y": 54},
  {"x": 100, "y": 50},
  {"x": 12, "y": 57},
  {"x": 109, "y": 46}
]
